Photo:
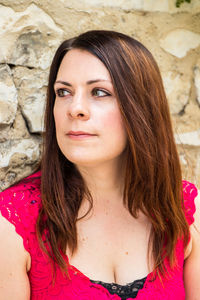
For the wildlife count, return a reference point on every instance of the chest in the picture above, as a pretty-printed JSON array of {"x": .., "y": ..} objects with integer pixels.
[{"x": 112, "y": 247}]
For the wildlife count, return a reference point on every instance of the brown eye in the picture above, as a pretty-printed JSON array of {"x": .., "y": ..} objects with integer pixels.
[
  {"x": 62, "y": 92},
  {"x": 100, "y": 93}
]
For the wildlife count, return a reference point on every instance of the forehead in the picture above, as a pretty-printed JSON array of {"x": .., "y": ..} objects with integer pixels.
[{"x": 81, "y": 63}]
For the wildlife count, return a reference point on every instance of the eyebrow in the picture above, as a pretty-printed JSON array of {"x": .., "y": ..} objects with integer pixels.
[{"x": 88, "y": 82}]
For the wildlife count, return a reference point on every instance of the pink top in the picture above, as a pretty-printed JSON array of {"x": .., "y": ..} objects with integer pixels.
[{"x": 20, "y": 205}]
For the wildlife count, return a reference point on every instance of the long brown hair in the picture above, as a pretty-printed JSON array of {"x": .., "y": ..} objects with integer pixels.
[{"x": 153, "y": 180}]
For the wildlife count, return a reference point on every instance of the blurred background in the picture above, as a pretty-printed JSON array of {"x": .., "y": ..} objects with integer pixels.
[{"x": 31, "y": 31}]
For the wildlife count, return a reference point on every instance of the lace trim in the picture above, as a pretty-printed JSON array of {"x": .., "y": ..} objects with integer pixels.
[
  {"x": 189, "y": 194},
  {"x": 129, "y": 290}
]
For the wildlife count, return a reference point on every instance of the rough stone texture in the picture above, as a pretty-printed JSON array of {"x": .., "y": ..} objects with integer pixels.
[
  {"x": 190, "y": 162},
  {"x": 179, "y": 41},
  {"x": 17, "y": 130},
  {"x": 177, "y": 87},
  {"x": 30, "y": 31},
  {"x": 31, "y": 85},
  {"x": 138, "y": 5},
  {"x": 197, "y": 80},
  {"x": 150, "y": 5},
  {"x": 189, "y": 120},
  {"x": 27, "y": 147},
  {"x": 28, "y": 38},
  {"x": 189, "y": 138},
  {"x": 8, "y": 96},
  {"x": 18, "y": 158}
]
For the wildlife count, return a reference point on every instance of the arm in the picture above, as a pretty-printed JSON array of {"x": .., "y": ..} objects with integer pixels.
[
  {"x": 192, "y": 262},
  {"x": 14, "y": 263}
]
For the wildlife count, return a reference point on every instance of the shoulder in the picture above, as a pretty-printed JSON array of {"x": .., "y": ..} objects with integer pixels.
[
  {"x": 192, "y": 262},
  {"x": 197, "y": 213},
  {"x": 189, "y": 192},
  {"x": 191, "y": 199},
  {"x": 195, "y": 227},
  {"x": 20, "y": 205}
]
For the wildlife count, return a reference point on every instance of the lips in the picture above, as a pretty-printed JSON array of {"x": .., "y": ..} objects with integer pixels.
[{"x": 79, "y": 133}]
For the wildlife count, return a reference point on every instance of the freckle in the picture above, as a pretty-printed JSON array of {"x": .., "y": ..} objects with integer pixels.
[{"x": 126, "y": 252}]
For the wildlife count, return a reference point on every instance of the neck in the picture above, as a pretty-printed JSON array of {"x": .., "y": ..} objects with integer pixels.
[{"x": 104, "y": 181}]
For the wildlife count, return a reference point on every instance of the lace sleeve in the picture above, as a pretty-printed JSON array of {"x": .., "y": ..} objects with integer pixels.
[
  {"x": 189, "y": 194},
  {"x": 20, "y": 206}
]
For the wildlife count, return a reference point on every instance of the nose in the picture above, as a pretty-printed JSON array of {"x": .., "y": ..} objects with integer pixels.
[{"x": 79, "y": 107}]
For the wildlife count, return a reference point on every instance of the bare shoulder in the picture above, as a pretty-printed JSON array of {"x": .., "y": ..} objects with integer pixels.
[
  {"x": 14, "y": 262},
  {"x": 197, "y": 213},
  {"x": 192, "y": 262},
  {"x": 195, "y": 227}
]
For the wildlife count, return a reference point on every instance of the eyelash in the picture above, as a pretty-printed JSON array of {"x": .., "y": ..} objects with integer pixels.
[
  {"x": 62, "y": 90},
  {"x": 58, "y": 91},
  {"x": 106, "y": 94}
]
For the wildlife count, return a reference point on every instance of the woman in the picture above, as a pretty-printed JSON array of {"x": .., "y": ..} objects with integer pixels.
[{"x": 115, "y": 219}]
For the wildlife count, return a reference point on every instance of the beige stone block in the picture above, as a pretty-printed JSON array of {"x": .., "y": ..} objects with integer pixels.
[
  {"x": 146, "y": 5},
  {"x": 31, "y": 86},
  {"x": 190, "y": 163},
  {"x": 139, "y": 5},
  {"x": 179, "y": 41},
  {"x": 8, "y": 96},
  {"x": 177, "y": 87},
  {"x": 142, "y": 5},
  {"x": 28, "y": 148},
  {"x": 17, "y": 130},
  {"x": 10, "y": 175},
  {"x": 193, "y": 7},
  {"x": 33, "y": 112},
  {"x": 18, "y": 159},
  {"x": 197, "y": 80},
  {"x": 20, "y": 3},
  {"x": 29, "y": 37},
  {"x": 189, "y": 120},
  {"x": 189, "y": 138}
]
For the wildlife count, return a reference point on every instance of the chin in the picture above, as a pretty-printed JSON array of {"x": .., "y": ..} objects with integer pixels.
[{"x": 82, "y": 161}]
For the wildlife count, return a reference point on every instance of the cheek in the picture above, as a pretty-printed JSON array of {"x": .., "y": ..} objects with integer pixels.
[
  {"x": 114, "y": 126},
  {"x": 57, "y": 116},
  {"x": 113, "y": 121},
  {"x": 55, "y": 113}
]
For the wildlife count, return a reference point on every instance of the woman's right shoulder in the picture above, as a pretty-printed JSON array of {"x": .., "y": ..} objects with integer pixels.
[
  {"x": 20, "y": 205},
  {"x": 19, "y": 208}
]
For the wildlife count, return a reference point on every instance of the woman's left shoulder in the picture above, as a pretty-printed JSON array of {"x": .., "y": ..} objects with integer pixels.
[
  {"x": 190, "y": 192},
  {"x": 192, "y": 259},
  {"x": 191, "y": 198}
]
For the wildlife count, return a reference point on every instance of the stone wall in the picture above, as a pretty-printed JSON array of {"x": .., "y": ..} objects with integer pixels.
[{"x": 30, "y": 31}]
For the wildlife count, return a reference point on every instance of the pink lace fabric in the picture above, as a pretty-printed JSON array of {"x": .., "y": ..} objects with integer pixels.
[{"x": 20, "y": 205}]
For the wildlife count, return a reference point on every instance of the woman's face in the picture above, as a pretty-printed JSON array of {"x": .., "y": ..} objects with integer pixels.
[{"x": 89, "y": 127}]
